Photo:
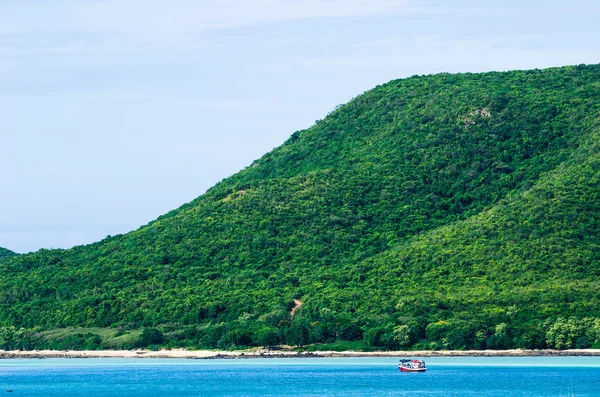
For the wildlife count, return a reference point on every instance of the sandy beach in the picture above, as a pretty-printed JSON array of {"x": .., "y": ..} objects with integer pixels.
[{"x": 211, "y": 354}]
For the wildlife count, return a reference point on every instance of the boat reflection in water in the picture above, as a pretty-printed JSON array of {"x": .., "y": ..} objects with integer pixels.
[{"x": 412, "y": 366}]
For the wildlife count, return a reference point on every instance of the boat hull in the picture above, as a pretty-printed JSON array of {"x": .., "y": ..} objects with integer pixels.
[{"x": 406, "y": 369}]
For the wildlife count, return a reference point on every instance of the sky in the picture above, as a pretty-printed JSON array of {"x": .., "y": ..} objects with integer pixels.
[{"x": 113, "y": 112}]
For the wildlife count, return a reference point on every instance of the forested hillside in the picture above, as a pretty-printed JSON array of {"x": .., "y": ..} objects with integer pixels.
[
  {"x": 6, "y": 253},
  {"x": 446, "y": 211}
]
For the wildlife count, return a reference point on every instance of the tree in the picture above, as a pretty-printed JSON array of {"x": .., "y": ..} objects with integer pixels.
[
  {"x": 150, "y": 336},
  {"x": 350, "y": 331},
  {"x": 402, "y": 335},
  {"x": 266, "y": 336},
  {"x": 298, "y": 334}
]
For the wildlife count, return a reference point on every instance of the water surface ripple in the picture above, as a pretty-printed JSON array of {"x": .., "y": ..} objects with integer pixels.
[{"x": 465, "y": 376}]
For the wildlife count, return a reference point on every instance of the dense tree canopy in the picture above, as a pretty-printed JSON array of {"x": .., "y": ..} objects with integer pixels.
[
  {"x": 446, "y": 211},
  {"x": 6, "y": 253}
]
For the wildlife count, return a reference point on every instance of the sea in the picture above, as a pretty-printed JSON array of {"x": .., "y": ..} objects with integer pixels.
[{"x": 465, "y": 376}]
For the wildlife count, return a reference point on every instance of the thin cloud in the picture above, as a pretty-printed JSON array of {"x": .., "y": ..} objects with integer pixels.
[
  {"x": 76, "y": 26},
  {"x": 142, "y": 17}
]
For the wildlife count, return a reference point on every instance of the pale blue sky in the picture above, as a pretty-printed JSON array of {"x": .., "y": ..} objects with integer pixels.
[{"x": 114, "y": 112}]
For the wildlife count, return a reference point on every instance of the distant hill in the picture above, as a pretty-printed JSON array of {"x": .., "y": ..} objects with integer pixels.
[
  {"x": 446, "y": 211},
  {"x": 5, "y": 252}
]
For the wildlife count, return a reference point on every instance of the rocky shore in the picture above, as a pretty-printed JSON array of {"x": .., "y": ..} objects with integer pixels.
[{"x": 210, "y": 354}]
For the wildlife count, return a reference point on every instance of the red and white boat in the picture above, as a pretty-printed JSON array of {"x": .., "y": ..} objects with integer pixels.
[{"x": 412, "y": 366}]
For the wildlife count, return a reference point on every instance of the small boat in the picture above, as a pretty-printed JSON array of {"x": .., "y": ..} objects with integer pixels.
[{"x": 412, "y": 366}]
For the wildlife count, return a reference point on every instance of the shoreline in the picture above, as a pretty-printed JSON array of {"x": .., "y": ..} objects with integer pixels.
[{"x": 265, "y": 354}]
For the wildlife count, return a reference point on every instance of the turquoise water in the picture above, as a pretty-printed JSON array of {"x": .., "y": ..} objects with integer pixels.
[{"x": 532, "y": 377}]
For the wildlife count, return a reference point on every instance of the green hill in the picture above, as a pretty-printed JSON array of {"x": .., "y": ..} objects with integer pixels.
[
  {"x": 446, "y": 211},
  {"x": 6, "y": 253}
]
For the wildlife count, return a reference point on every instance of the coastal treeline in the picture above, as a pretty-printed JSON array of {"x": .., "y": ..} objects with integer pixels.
[
  {"x": 562, "y": 333},
  {"x": 449, "y": 211}
]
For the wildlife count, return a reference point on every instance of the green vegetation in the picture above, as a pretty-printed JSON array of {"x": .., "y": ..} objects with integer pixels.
[
  {"x": 71, "y": 339},
  {"x": 447, "y": 211},
  {"x": 4, "y": 253}
]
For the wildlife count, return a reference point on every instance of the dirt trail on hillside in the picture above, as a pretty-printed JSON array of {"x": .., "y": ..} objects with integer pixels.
[{"x": 297, "y": 304}]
